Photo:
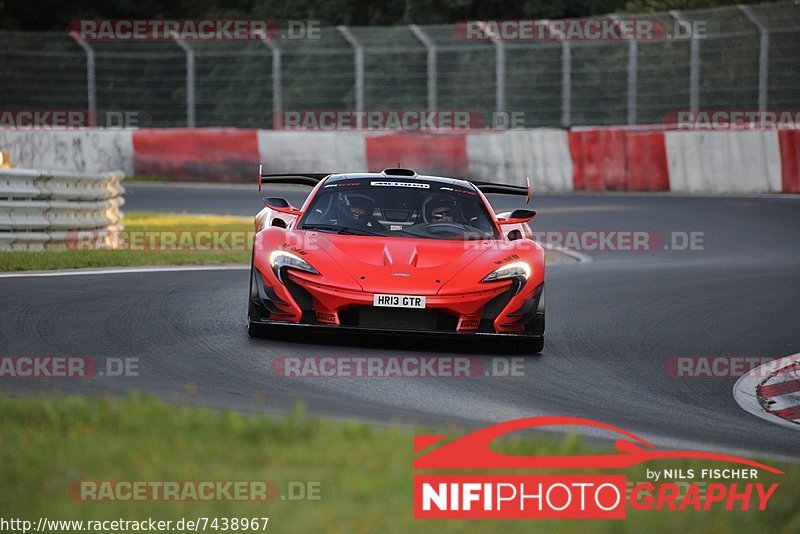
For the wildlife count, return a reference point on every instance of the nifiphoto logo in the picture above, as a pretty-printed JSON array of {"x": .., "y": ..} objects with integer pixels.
[{"x": 575, "y": 496}]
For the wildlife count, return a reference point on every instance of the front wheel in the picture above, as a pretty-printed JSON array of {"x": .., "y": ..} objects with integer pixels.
[
  {"x": 535, "y": 328},
  {"x": 253, "y": 329}
]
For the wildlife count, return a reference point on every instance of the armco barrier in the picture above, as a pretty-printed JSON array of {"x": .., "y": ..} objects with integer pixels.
[{"x": 41, "y": 209}]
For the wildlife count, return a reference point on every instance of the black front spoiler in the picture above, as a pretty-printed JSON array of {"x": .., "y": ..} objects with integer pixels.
[{"x": 343, "y": 330}]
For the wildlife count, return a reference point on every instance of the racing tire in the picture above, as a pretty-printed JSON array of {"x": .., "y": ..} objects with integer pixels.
[
  {"x": 253, "y": 329},
  {"x": 536, "y": 344},
  {"x": 256, "y": 330},
  {"x": 535, "y": 329}
]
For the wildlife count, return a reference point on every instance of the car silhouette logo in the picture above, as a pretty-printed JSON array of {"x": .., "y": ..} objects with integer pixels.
[{"x": 473, "y": 451}]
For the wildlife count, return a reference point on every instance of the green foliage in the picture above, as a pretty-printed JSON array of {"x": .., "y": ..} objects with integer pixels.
[
  {"x": 54, "y": 14},
  {"x": 365, "y": 472},
  {"x": 647, "y": 6}
]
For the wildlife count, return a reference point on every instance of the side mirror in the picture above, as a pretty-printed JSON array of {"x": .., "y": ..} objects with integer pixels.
[
  {"x": 281, "y": 205},
  {"x": 275, "y": 202},
  {"x": 518, "y": 217}
]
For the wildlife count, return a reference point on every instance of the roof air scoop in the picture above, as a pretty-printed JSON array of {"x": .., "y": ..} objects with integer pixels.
[{"x": 399, "y": 172}]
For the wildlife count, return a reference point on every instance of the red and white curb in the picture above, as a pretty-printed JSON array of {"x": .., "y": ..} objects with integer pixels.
[{"x": 772, "y": 391}]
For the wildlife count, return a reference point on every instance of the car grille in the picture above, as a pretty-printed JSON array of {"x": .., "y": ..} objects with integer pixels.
[{"x": 398, "y": 319}]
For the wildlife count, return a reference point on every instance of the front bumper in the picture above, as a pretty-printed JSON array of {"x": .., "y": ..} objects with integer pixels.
[{"x": 501, "y": 309}]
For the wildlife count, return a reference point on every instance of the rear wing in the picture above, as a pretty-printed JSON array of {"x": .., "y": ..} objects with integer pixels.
[
  {"x": 297, "y": 178},
  {"x": 506, "y": 189},
  {"x": 313, "y": 178}
]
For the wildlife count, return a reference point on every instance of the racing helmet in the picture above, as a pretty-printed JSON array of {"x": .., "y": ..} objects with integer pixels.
[
  {"x": 355, "y": 208},
  {"x": 440, "y": 208}
]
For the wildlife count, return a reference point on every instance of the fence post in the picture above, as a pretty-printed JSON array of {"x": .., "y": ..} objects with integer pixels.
[
  {"x": 566, "y": 75},
  {"x": 431, "y": 49},
  {"x": 190, "y": 103},
  {"x": 633, "y": 75},
  {"x": 763, "y": 55},
  {"x": 91, "y": 80},
  {"x": 359, "y": 58},
  {"x": 500, "y": 76},
  {"x": 277, "y": 84},
  {"x": 499, "y": 69},
  {"x": 633, "y": 79},
  {"x": 694, "y": 62}
]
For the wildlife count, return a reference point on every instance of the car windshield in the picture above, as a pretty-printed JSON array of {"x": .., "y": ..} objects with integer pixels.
[{"x": 399, "y": 207}]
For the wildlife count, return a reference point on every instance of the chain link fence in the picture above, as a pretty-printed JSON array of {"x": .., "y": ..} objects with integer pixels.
[{"x": 747, "y": 58}]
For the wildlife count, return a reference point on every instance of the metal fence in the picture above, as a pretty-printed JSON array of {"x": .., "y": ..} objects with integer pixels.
[{"x": 747, "y": 58}]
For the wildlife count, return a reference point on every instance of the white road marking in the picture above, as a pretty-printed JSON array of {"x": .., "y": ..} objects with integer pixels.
[
  {"x": 574, "y": 254},
  {"x": 123, "y": 270}
]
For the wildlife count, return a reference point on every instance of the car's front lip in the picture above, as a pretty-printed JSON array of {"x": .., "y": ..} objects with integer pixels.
[{"x": 338, "y": 329}]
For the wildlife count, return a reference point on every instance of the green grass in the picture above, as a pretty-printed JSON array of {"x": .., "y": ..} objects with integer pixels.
[
  {"x": 137, "y": 222},
  {"x": 365, "y": 471}
]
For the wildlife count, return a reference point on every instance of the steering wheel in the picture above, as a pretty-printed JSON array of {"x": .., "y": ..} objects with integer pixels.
[{"x": 444, "y": 227}]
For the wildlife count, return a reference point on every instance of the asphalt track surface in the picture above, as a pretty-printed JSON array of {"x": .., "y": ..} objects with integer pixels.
[{"x": 612, "y": 324}]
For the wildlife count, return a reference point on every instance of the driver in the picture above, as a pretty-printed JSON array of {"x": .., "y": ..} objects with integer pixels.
[
  {"x": 440, "y": 208},
  {"x": 356, "y": 211}
]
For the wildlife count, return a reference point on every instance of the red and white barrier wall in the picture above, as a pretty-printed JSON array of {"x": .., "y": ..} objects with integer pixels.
[
  {"x": 720, "y": 162},
  {"x": 582, "y": 159}
]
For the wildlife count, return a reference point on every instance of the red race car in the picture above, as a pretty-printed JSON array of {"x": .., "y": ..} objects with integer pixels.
[{"x": 396, "y": 252}]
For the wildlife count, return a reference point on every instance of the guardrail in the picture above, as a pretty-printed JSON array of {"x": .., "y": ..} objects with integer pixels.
[{"x": 42, "y": 209}]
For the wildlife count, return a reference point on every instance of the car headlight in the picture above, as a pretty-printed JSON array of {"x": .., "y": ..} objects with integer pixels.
[
  {"x": 518, "y": 270},
  {"x": 280, "y": 259}
]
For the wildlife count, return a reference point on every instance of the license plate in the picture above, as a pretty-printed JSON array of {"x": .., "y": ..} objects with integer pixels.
[{"x": 398, "y": 301}]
